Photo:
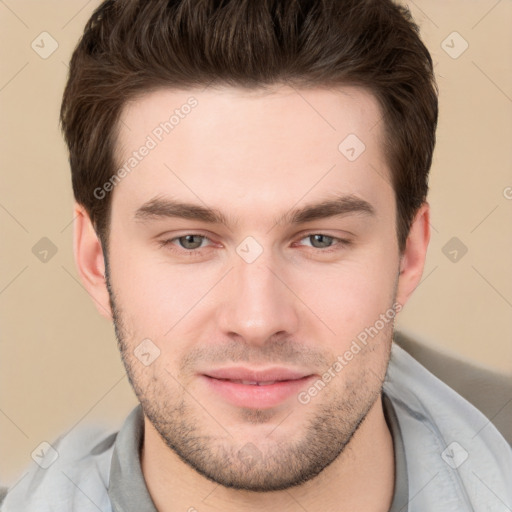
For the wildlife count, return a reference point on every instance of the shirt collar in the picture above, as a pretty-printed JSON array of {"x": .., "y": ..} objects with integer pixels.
[
  {"x": 127, "y": 489},
  {"x": 401, "y": 489}
]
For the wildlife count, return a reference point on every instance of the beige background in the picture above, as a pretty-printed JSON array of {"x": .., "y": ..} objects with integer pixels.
[{"x": 59, "y": 362}]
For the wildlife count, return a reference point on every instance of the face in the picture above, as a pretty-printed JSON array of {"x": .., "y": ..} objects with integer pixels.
[{"x": 252, "y": 249}]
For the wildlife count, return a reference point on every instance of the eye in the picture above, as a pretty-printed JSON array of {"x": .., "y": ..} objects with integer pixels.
[
  {"x": 322, "y": 241},
  {"x": 190, "y": 242}
]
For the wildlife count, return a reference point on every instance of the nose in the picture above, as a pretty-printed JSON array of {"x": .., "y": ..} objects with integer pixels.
[{"x": 257, "y": 303}]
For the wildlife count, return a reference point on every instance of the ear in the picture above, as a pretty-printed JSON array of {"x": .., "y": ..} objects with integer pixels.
[
  {"x": 90, "y": 260},
  {"x": 412, "y": 260}
]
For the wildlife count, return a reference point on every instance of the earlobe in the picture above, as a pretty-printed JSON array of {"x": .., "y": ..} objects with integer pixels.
[
  {"x": 412, "y": 260},
  {"x": 90, "y": 261}
]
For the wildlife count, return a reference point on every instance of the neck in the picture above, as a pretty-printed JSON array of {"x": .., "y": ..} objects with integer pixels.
[{"x": 361, "y": 478}]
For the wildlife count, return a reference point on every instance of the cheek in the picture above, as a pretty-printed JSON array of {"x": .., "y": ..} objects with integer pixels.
[
  {"x": 350, "y": 295},
  {"x": 159, "y": 298}
]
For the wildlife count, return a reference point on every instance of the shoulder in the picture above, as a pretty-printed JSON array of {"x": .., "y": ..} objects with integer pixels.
[
  {"x": 449, "y": 444},
  {"x": 70, "y": 473}
]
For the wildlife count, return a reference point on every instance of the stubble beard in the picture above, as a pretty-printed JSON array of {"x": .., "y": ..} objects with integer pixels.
[{"x": 272, "y": 464}]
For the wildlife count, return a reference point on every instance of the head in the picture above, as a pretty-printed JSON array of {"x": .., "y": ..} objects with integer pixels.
[{"x": 252, "y": 179}]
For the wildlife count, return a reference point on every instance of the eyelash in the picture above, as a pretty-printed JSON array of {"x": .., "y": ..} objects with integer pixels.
[{"x": 340, "y": 243}]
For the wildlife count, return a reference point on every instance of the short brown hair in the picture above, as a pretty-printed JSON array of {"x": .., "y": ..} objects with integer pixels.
[{"x": 133, "y": 46}]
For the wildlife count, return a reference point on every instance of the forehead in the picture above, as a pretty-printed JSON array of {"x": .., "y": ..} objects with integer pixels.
[
  {"x": 322, "y": 112},
  {"x": 260, "y": 149}
]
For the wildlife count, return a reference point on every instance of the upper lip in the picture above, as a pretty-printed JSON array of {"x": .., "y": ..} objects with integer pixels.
[{"x": 256, "y": 375}]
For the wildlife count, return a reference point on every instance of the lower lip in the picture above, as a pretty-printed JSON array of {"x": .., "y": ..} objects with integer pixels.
[{"x": 257, "y": 397}]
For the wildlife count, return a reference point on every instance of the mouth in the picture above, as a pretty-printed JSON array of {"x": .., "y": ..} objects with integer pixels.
[
  {"x": 253, "y": 383},
  {"x": 257, "y": 389}
]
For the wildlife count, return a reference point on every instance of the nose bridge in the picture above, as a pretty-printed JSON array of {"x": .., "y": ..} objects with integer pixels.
[{"x": 258, "y": 303}]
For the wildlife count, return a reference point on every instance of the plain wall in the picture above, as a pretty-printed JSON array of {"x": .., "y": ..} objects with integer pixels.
[{"x": 59, "y": 362}]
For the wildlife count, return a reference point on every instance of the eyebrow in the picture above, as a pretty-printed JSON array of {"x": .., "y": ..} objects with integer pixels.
[{"x": 160, "y": 208}]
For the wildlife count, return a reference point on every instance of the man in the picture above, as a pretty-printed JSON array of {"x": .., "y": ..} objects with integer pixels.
[{"x": 250, "y": 182}]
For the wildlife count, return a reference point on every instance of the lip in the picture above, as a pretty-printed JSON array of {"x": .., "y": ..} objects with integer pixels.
[
  {"x": 275, "y": 385},
  {"x": 256, "y": 375}
]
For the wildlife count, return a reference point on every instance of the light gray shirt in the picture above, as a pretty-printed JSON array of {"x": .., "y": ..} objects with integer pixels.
[{"x": 448, "y": 457}]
